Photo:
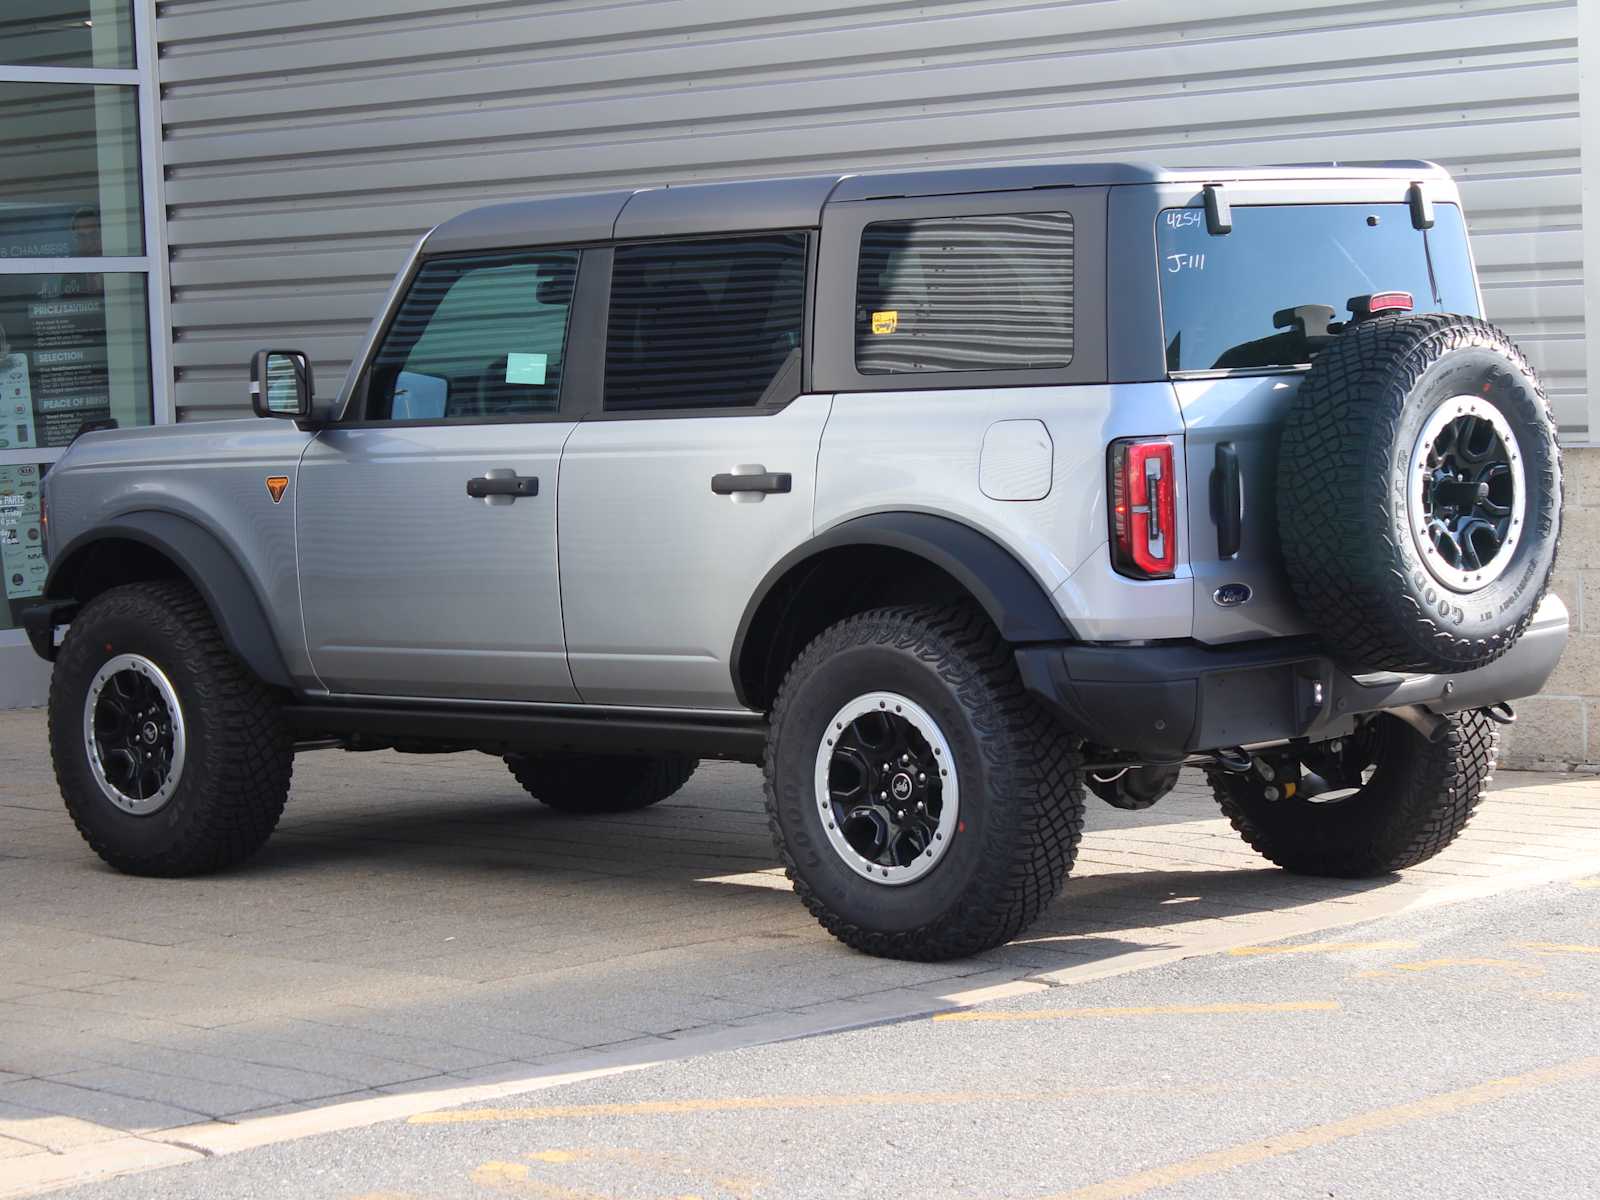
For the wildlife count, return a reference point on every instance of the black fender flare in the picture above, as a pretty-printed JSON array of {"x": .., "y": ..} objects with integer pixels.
[
  {"x": 1011, "y": 595},
  {"x": 209, "y": 565}
]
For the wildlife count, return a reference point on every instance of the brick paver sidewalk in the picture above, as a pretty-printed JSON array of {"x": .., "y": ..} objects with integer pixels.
[{"x": 418, "y": 923}]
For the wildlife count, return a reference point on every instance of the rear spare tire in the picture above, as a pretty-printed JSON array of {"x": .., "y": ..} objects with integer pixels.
[{"x": 1419, "y": 494}]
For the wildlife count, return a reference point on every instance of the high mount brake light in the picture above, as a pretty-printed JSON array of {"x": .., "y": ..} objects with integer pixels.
[
  {"x": 1144, "y": 523},
  {"x": 1378, "y": 303}
]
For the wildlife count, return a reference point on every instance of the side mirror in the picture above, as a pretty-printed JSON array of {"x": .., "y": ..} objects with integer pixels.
[{"x": 280, "y": 384}]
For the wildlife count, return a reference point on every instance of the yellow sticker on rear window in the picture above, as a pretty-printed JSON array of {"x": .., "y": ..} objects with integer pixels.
[{"x": 886, "y": 322}]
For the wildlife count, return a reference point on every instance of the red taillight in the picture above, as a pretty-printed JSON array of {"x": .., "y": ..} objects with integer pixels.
[{"x": 1144, "y": 522}]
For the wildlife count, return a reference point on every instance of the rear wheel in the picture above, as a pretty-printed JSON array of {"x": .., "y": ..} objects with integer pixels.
[
  {"x": 601, "y": 783},
  {"x": 925, "y": 806},
  {"x": 172, "y": 757},
  {"x": 1381, "y": 800}
]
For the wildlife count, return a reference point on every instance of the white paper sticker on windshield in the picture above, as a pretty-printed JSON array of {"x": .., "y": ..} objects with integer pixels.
[{"x": 525, "y": 368}]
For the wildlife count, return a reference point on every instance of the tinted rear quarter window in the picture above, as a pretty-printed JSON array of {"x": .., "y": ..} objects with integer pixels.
[
  {"x": 704, "y": 324},
  {"x": 1219, "y": 293},
  {"x": 981, "y": 293}
]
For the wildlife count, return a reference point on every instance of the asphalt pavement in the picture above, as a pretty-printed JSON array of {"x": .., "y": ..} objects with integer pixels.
[
  {"x": 1451, "y": 1052},
  {"x": 420, "y": 935}
]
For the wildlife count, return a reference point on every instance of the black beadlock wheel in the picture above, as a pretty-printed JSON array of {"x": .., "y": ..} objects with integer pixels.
[
  {"x": 601, "y": 783},
  {"x": 1403, "y": 800},
  {"x": 925, "y": 806},
  {"x": 172, "y": 758},
  {"x": 1419, "y": 494}
]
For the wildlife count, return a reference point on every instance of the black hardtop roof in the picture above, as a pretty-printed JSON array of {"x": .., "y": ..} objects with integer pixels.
[{"x": 679, "y": 210}]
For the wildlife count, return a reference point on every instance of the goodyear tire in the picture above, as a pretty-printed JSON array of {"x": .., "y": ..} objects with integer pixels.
[
  {"x": 601, "y": 783},
  {"x": 1419, "y": 494},
  {"x": 924, "y": 805},
  {"x": 173, "y": 759}
]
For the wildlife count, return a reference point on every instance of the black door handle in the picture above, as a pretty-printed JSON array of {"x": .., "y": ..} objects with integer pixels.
[
  {"x": 503, "y": 485},
  {"x": 1227, "y": 500},
  {"x": 769, "y": 482}
]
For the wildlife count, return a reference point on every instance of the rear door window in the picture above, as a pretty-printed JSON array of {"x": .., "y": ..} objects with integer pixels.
[
  {"x": 979, "y": 293},
  {"x": 712, "y": 323},
  {"x": 1220, "y": 294}
]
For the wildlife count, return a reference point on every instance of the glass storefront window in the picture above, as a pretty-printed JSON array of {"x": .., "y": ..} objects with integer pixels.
[
  {"x": 76, "y": 81},
  {"x": 67, "y": 33},
  {"x": 73, "y": 349},
  {"x": 69, "y": 171},
  {"x": 21, "y": 540}
]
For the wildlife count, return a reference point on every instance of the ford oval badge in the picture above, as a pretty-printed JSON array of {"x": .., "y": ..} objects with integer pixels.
[{"x": 1231, "y": 595}]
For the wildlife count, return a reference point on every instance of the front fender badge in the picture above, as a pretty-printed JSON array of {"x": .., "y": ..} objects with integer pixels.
[
  {"x": 278, "y": 484},
  {"x": 1231, "y": 595}
]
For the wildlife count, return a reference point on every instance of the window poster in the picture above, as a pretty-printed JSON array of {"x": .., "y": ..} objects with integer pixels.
[
  {"x": 55, "y": 369},
  {"x": 21, "y": 536},
  {"x": 16, "y": 402},
  {"x": 70, "y": 380}
]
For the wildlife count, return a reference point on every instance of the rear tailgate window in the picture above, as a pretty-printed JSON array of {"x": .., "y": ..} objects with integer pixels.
[{"x": 1219, "y": 294}]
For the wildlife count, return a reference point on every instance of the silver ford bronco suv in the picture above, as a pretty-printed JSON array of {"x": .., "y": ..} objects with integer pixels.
[{"x": 944, "y": 495}]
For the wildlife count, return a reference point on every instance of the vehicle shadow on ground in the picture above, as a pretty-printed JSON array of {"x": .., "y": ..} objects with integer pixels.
[{"x": 694, "y": 855}]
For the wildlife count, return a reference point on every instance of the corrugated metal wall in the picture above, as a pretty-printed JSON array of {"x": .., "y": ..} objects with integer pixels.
[{"x": 308, "y": 142}]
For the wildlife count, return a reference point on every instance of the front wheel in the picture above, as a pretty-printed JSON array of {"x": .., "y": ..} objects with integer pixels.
[
  {"x": 173, "y": 759},
  {"x": 924, "y": 805},
  {"x": 1381, "y": 800}
]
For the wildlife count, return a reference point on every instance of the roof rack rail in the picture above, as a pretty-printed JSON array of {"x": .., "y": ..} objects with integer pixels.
[{"x": 1387, "y": 163}]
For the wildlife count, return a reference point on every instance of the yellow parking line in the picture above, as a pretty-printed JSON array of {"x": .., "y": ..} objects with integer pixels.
[
  {"x": 713, "y": 1104},
  {"x": 1559, "y": 948},
  {"x": 1320, "y": 948},
  {"x": 1511, "y": 967},
  {"x": 1219, "y": 1161},
  {"x": 515, "y": 1179},
  {"x": 1143, "y": 1010}
]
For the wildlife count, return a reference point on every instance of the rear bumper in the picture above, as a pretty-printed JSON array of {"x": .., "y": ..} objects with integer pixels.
[{"x": 1166, "y": 700}]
